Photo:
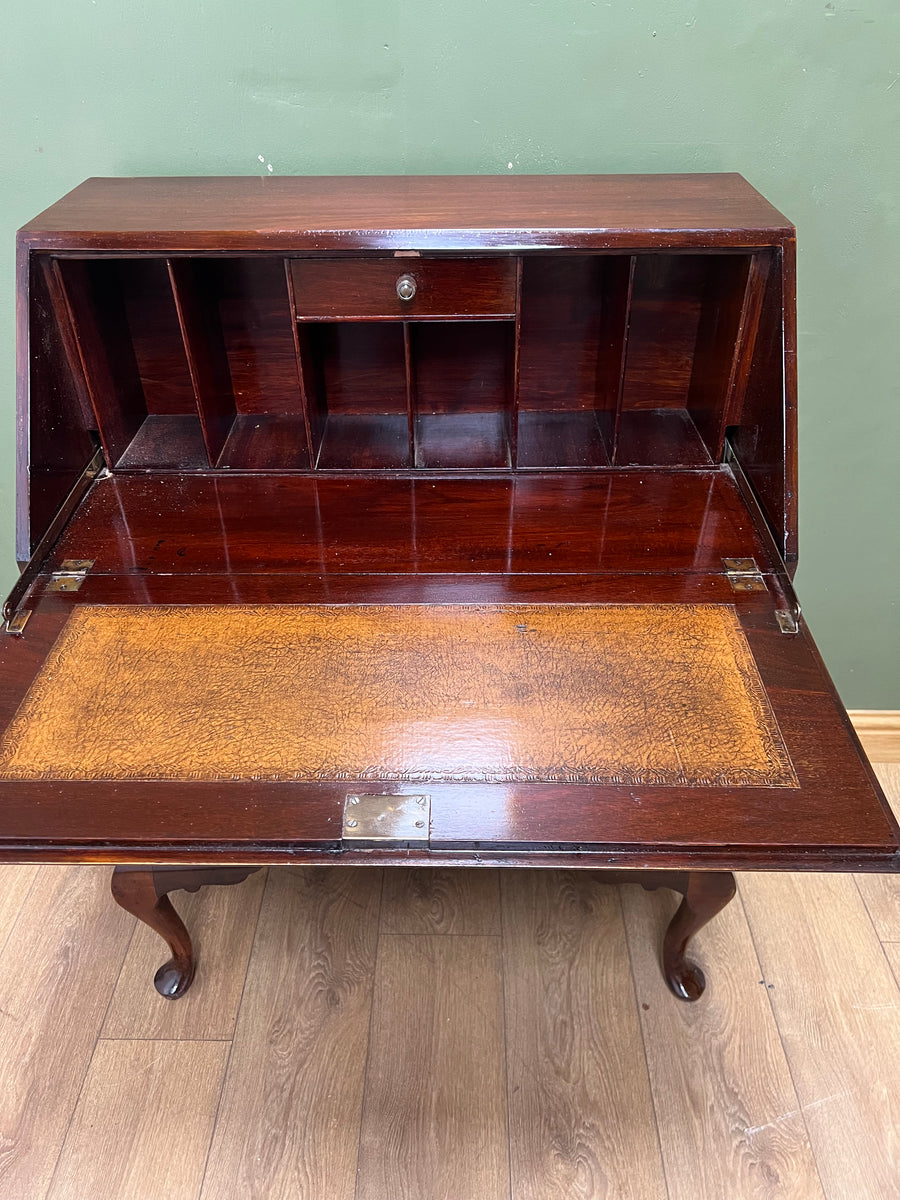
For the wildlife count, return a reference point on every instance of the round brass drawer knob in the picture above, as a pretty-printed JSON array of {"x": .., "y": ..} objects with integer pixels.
[{"x": 406, "y": 287}]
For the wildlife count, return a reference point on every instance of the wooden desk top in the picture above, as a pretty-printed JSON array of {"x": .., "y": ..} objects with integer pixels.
[
  {"x": 433, "y": 212},
  {"x": 582, "y": 540}
]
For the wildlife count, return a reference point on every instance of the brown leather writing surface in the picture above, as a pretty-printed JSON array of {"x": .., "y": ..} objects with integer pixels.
[{"x": 644, "y": 694}]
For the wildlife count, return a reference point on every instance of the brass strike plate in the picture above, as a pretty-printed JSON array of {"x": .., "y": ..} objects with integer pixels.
[{"x": 378, "y": 820}]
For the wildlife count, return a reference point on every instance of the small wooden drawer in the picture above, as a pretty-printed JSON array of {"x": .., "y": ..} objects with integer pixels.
[{"x": 398, "y": 288}]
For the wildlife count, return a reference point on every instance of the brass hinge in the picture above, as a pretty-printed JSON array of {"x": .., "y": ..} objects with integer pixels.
[
  {"x": 71, "y": 575},
  {"x": 744, "y": 575},
  {"x": 386, "y": 821}
]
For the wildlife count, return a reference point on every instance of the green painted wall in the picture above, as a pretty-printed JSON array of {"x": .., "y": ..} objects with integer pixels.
[{"x": 801, "y": 96}]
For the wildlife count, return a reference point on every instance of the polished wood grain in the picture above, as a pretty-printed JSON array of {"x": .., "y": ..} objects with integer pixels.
[
  {"x": 612, "y": 348},
  {"x": 562, "y": 301},
  {"x": 53, "y": 439},
  {"x": 841, "y": 1037},
  {"x": 266, "y": 442},
  {"x": 649, "y": 522},
  {"x": 580, "y": 1114},
  {"x": 132, "y": 1141},
  {"x": 706, "y": 894},
  {"x": 434, "y": 1108},
  {"x": 728, "y": 1117},
  {"x": 254, "y": 308},
  {"x": 143, "y": 891},
  {"x": 566, "y": 438},
  {"x": 462, "y": 439},
  {"x": 356, "y": 369},
  {"x": 95, "y": 304},
  {"x": 683, "y": 335},
  {"x": 367, "y": 288},
  {"x": 726, "y": 338},
  {"x": 157, "y": 335},
  {"x": 765, "y": 439},
  {"x": 440, "y": 212},
  {"x": 462, "y": 367},
  {"x": 222, "y": 921},
  {"x": 365, "y": 441},
  {"x": 663, "y": 321},
  {"x": 289, "y": 1119},
  {"x": 137, "y": 890},
  {"x": 578, "y": 343},
  {"x": 572, "y": 328},
  {"x": 57, "y": 971},
  {"x": 659, "y": 437},
  {"x": 204, "y": 346}
]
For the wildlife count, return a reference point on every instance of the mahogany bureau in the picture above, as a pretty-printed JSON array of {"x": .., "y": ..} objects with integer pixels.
[{"x": 438, "y": 521}]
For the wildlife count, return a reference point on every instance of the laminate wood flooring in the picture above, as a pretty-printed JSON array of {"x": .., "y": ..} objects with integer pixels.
[{"x": 462, "y": 1035}]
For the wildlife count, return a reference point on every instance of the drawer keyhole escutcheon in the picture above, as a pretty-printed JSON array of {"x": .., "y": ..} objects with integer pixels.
[{"x": 406, "y": 287}]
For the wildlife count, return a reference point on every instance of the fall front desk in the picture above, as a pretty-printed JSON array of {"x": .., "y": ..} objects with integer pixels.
[{"x": 437, "y": 521}]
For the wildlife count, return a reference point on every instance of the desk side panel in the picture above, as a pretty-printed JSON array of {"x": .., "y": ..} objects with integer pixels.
[
  {"x": 764, "y": 437},
  {"x": 54, "y": 442}
]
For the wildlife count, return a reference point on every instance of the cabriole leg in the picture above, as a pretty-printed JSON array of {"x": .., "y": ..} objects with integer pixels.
[
  {"x": 706, "y": 893},
  {"x": 143, "y": 891}
]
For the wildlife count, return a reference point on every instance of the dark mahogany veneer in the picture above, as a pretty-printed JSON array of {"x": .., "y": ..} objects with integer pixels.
[{"x": 548, "y": 390}]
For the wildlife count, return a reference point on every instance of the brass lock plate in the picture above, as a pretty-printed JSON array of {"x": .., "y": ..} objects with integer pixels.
[{"x": 379, "y": 820}]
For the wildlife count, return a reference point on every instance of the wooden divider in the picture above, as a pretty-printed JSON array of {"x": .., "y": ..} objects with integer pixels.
[{"x": 579, "y": 361}]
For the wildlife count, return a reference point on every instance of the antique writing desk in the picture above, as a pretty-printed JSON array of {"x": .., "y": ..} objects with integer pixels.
[{"x": 432, "y": 521}]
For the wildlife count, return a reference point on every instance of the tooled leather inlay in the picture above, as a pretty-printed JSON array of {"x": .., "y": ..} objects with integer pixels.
[{"x": 627, "y": 694}]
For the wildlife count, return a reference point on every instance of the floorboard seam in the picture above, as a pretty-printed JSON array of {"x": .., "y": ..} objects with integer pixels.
[
  {"x": 163, "y": 1039},
  {"x": 505, "y": 1029},
  {"x": 787, "y": 1060},
  {"x": 97, "y": 1039},
  {"x": 237, "y": 1013},
  {"x": 365, "y": 1077},
  {"x": 881, "y": 943},
  {"x": 19, "y": 910},
  {"x": 637, "y": 1009},
  {"x": 393, "y": 933}
]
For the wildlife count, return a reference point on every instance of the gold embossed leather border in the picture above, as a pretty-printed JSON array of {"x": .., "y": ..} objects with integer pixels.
[{"x": 601, "y": 694}]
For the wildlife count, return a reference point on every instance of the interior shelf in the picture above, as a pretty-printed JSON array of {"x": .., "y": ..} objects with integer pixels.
[
  {"x": 660, "y": 437},
  {"x": 462, "y": 393},
  {"x": 561, "y": 438},
  {"x": 266, "y": 441},
  {"x": 571, "y": 362},
  {"x": 364, "y": 441},
  {"x": 463, "y": 439},
  {"x": 166, "y": 443}
]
